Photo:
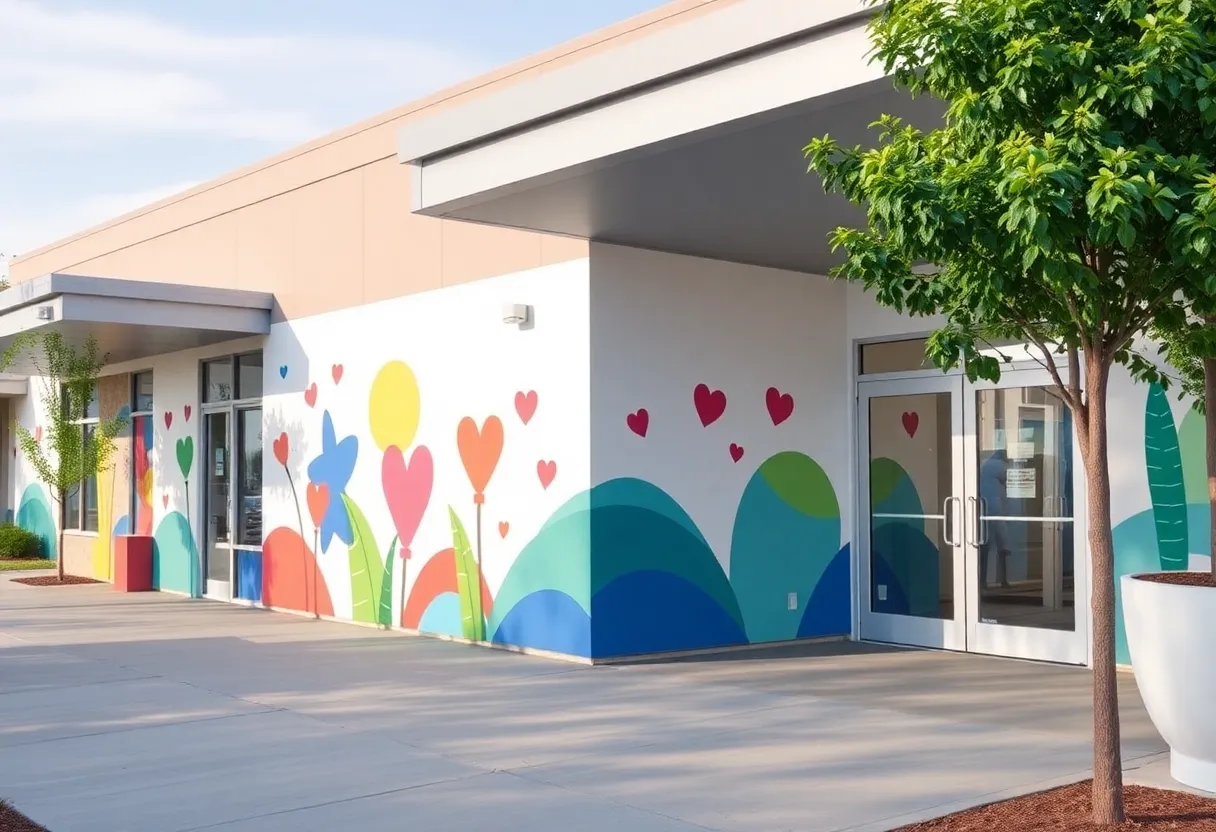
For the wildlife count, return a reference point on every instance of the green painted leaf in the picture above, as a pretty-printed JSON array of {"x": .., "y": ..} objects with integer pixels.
[
  {"x": 185, "y": 455},
  {"x": 1167, "y": 488},
  {"x": 365, "y": 567},
  {"x": 385, "y": 611},
  {"x": 468, "y": 582}
]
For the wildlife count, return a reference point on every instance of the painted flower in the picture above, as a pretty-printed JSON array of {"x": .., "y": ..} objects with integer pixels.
[{"x": 333, "y": 469}]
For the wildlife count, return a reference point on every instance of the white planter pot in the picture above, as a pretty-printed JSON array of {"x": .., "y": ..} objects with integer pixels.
[{"x": 1171, "y": 636}]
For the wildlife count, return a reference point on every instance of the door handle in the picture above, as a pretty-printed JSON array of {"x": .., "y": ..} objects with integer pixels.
[
  {"x": 977, "y": 532},
  {"x": 948, "y": 520}
]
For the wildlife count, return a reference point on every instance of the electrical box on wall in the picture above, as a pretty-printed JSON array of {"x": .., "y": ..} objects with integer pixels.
[{"x": 516, "y": 313}]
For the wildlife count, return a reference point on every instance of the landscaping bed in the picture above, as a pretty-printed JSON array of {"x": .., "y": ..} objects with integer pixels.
[
  {"x": 53, "y": 580},
  {"x": 13, "y": 821},
  {"x": 1067, "y": 809}
]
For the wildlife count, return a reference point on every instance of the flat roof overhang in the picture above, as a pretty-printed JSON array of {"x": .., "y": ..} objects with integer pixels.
[
  {"x": 688, "y": 140},
  {"x": 131, "y": 319}
]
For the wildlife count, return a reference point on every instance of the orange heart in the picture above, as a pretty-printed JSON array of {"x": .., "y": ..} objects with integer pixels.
[
  {"x": 480, "y": 451},
  {"x": 318, "y": 502},
  {"x": 504, "y": 529}
]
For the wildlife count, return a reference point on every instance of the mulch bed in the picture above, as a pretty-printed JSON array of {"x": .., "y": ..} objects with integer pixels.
[
  {"x": 13, "y": 821},
  {"x": 1068, "y": 810},
  {"x": 1180, "y": 578},
  {"x": 53, "y": 580}
]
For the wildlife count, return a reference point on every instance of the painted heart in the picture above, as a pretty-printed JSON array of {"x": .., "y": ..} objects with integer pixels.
[
  {"x": 283, "y": 371},
  {"x": 546, "y": 471},
  {"x": 317, "y": 497},
  {"x": 336, "y": 371},
  {"x": 480, "y": 451},
  {"x": 780, "y": 405},
  {"x": 310, "y": 395},
  {"x": 504, "y": 528},
  {"x": 168, "y": 419},
  {"x": 639, "y": 421},
  {"x": 186, "y": 412},
  {"x": 185, "y": 455},
  {"x": 710, "y": 404},
  {"x": 525, "y": 405},
  {"x": 407, "y": 489},
  {"x": 38, "y": 433},
  {"x": 282, "y": 447},
  {"x": 164, "y": 500},
  {"x": 736, "y": 452},
  {"x": 911, "y": 423}
]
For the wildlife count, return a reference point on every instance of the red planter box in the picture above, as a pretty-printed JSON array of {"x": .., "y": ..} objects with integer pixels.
[{"x": 133, "y": 563}]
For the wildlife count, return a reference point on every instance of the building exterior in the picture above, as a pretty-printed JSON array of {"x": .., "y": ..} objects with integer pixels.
[{"x": 548, "y": 361}]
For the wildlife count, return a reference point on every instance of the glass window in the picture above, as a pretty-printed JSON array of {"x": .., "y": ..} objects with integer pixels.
[
  {"x": 894, "y": 356},
  {"x": 141, "y": 393},
  {"x": 90, "y": 490},
  {"x": 71, "y": 508},
  {"x": 249, "y": 448},
  {"x": 217, "y": 380},
  {"x": 249, "y": 376}
]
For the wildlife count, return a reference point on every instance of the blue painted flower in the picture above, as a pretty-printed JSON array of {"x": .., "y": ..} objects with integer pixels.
[{"x": 333, "y": 469}]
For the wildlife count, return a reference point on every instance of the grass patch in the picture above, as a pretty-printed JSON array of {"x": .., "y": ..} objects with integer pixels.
[{"x": 24, "y": 564}]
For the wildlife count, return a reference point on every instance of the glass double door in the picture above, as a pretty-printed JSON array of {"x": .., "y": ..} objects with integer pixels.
[
  {"x": 968, "y": 535},
  {"x": 233, "y": 500}
]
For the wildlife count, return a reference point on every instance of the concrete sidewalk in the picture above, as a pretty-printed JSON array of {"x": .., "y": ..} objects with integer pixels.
[{"x": 148, "y": 713}]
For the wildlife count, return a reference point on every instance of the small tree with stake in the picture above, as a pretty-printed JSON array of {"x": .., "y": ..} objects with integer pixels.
[
  {"x": 69, "y": 456},
  {"x": 1051, "y": 204}
]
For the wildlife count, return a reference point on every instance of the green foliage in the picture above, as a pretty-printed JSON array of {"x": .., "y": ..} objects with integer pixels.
[
  {"x": 468, "y": 582},
  {"x": 1166, "y": 484},
  {"x": 66, "y": 457},
  {"x": 366, "y": 569},
  {"x": 384, "y": 612},
  {"x": 1067, "y": 199},
  {"x": 16, "y": 542}
]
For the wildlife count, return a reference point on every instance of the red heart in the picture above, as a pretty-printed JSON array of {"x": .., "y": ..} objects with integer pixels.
[
  {"x": 164, "y": 500},
  {"x": 503, "y": 529},
  {"x": 525, "y": 405},
  {"x": 911, "y": 423},
  {"x": 736, "y": 452},
  {"x": 710, "y": 404},
  {"x": 336, "y": 372},
  {"x": 546, "y": 471},
  {"x": 168, "y": 419},
  {"x": 186, "y": 410},
  {"x": 282, "y": 447},
  {"x": 317, "y": 497},
  {"x": 38, "y": 433},
  {"x": 639, "y": 422},
  {"x": 310, "y": 395},
  {"x": 780, "y": 405}
]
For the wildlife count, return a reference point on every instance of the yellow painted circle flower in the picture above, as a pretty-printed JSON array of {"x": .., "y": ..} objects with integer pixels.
[{"x": 394, "y": 407}]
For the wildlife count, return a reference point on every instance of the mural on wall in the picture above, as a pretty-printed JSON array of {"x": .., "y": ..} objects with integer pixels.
[
  {"x": 34, "y": 514},
  {"x": 461, "y": 512},
  {"x": 175, "y": 555},
  {"x": 143, "y": 474},
  {"x": 1173, "y": 533}
]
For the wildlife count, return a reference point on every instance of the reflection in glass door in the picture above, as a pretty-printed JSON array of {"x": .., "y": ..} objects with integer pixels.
[
  {"x": 1021, "y": 532},
  {"x": 218, "y": 546},
  {"x": 912, "y": 547}
]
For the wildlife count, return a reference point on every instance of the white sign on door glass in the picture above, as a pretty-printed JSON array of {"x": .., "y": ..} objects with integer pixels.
[{"x": 1020, "y": 483}]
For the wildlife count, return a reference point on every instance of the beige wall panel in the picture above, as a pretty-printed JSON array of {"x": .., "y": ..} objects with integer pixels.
[
  {"x": 474, "y": 252},
  {"x": 401, "y": 251},
  {"x": 328, "y": 252}
]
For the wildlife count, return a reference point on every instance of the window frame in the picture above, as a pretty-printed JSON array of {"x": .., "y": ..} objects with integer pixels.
[
  {"x": 133, "y": 483},
  {"x": 82, "y": 489}
]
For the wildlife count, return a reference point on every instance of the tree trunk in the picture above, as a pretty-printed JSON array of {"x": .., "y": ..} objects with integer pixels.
[
  {"x": 1108, "y": 765},
  {"x": 59, "y": 546},
  {"x": 1209, "y": 418}
]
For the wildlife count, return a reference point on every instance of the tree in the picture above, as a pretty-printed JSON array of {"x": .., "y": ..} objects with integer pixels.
[
  {"x": 1050, "y": 206},
  {"x": 70, "y": 455}
]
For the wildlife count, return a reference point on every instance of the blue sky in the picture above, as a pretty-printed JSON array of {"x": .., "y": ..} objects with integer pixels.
[{"x": 106, "y": 105}]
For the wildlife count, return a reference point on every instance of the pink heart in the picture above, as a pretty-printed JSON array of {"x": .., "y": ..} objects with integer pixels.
[
  {"x": 186, "y": 410},
  {"x": 546, "y": 471},
  {"x": 780, "y": 405},
  {"x": 911, "y": 423},
  {"x": 407, "y": 489},
  {"x": 164, "y": 500},
  {"x": 310, "y": 395},
  {"x": 168, "y": 419},
  {"x": 639, "y": 422},
  {"x": 736, "y": 452},
  {"x": 710, "y": 404},
  {"x": 525, "y": 405},
  {"x": 336, "y": 371}
]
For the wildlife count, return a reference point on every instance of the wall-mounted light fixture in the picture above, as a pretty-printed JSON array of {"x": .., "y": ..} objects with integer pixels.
[
  {"x": 46, "y": 313},
  {"x": 517, "y": 314}
]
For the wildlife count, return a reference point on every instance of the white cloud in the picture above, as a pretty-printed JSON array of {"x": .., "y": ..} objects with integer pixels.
[{"x": 124, "y": 73}]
